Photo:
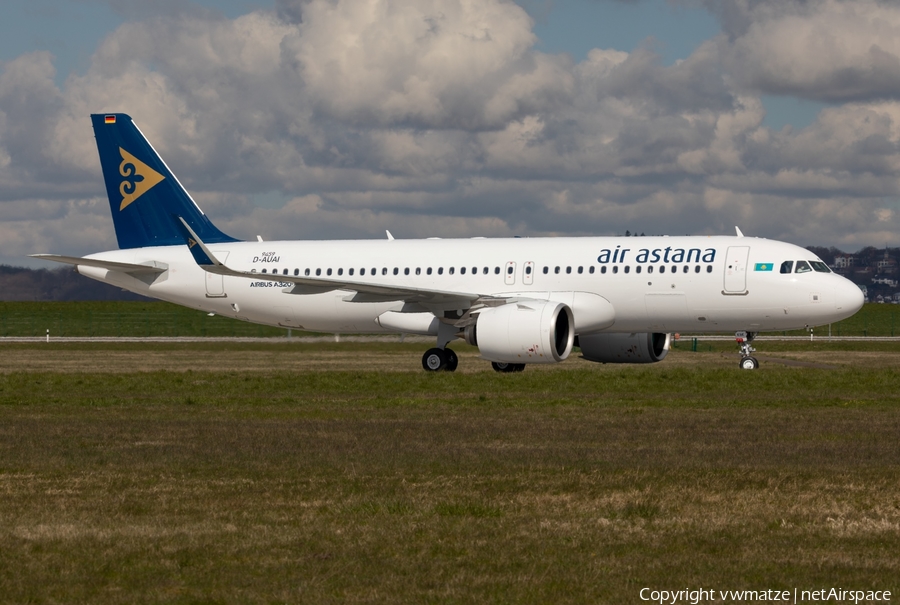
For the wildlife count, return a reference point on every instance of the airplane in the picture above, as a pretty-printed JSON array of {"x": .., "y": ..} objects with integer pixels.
[{"x": 518, "y": 300}]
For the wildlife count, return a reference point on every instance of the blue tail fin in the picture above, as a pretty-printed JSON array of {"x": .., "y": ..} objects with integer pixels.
[{"x": 144, "y": 195}]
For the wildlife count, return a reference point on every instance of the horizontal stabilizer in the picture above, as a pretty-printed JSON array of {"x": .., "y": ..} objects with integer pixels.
[{"x": 130, "y": 268}]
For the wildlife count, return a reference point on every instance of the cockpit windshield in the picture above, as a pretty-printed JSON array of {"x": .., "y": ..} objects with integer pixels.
[
  {"x": 802, "y": 267},
  {"x": 819, "y": 266},
  {"x": 787, "y": 266}
]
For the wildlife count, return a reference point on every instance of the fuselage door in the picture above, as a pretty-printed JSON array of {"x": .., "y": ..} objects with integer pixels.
[
  {"x": 215, "y": 284},
  {"x": 528, "y": 273},
  {"x": 509, "y": 276},
  {"x": 736, "y": 269}
]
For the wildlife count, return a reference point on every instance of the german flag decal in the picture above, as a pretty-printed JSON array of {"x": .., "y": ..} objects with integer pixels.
[{"x": 109, "y": 119}]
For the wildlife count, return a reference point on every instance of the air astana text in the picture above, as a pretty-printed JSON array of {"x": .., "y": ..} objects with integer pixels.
[{"x": 657, "y": 255}]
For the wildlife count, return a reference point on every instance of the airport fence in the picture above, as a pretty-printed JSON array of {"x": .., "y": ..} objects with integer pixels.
[{"x": 122, "y": 320}]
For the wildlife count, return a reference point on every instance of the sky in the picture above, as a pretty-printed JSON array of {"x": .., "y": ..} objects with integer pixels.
[{"x": 313, "y": 119}]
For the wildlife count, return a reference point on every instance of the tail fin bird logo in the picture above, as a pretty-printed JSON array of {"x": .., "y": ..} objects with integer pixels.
[{"x": 137, "y": 178}]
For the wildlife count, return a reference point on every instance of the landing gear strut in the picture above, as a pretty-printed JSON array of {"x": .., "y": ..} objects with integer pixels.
[{"x": 748, "y": 362}]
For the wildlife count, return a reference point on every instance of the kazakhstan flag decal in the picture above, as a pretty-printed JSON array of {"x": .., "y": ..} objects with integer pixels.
[{"x": 763, "y": 266}]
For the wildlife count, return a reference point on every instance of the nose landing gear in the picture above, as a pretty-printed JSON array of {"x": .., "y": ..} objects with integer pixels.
[{"x": 748, "y": 362}]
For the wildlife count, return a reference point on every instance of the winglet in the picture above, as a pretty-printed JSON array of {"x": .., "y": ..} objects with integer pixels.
[
  {"x": 389, "y": 236},
  {"x": 201, "y": 254},
  {"x": 738, "y": 231}
]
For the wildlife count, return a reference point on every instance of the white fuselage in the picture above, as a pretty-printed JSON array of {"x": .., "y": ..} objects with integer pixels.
[{"x": 654, "y": 284}]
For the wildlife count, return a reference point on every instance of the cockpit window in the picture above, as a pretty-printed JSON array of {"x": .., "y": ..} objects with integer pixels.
[
  {"x": 787, "y": 266},
  {"x": 802, "y": 267},
  {"x": 819, "y": 266}
]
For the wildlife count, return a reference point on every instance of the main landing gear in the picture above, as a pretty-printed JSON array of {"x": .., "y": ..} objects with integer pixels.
[
  {"x": 440, "y": 358},
  {"x": 436, "y": 360},
  {"x": 507, "y": 367},
  {"x": 748, "y": 362}
]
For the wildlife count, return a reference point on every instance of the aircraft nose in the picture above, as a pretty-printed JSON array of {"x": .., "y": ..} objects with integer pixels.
[{"x": 848, "y": 298}]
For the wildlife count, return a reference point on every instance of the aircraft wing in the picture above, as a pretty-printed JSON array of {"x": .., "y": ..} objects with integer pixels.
[
  {"x": 131, "y": 268},
  {"x": 365, "y": 292}
]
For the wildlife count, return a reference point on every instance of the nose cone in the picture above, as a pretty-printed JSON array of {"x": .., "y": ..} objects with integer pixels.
[{"x": 848, "y": 298}]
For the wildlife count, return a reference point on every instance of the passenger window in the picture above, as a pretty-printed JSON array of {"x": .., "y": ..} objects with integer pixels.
[
  {"x": 440, "y": 270},
  {"x": 802, "y": 267},
  {"x": 556, "y": 270},
  {"x": 328, "y": 271},
  {"x": 296, "y": 271},
  {"x": 428, "y": 270},
  {"x": 396, "y": 270},
  {"x": 496, "y": 270},
  {"x": 418, "y": 270},
  {"x": 462, "y": 270},
  {"x": 819, "y": 267},
  {"x": 509, "y": 270},
  {"x": 528, "y": 270},
  {"x": 306, "y": 272},
  {"x": 450, "y": 270},
  {"x": 591, "y": 270},
  {"x": 406, "y": 271},
  {"x": 662, "y": 269},
  {"x": 627, "y": 269},
  {"x": 384, "y": 270},
  {"x": 637, "y": 269},
  {"x": 474, "y": 270},
  {"x": 615, "y": 268},
  {"x": 264, "y": 270},
  {"x": 603, "y": 269},
  {"x": 709, "y": 268},
  {"x": 485, "y": 271},
  {"x": 697, "y": 269},
  {"x": 546, "y": 270},
  {"x": 650, "y": 269},
  {"x": 685, "y": 269},
  {"x": 340, "y": 271},
  {"x": 318, "y": 272},
  {"x": 568, "y": 270}
]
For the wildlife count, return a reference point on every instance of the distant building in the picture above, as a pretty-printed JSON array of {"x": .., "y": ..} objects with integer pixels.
[
  {"x": 887, "y": 265},
  {"x": 843, "y": 262},
  {"x": 885, "y": 281}
]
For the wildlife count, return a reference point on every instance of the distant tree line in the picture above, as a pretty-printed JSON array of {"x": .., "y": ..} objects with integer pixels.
[{"x": 64, "y": 283}]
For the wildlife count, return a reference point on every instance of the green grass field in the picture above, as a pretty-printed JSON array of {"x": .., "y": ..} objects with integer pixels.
[
  {"x": 261, "y": 473},
  {"x": 165, "y": 319}
]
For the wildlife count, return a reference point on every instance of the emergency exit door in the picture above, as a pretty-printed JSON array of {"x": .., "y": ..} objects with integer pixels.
[{"x": 736, "y": 269}]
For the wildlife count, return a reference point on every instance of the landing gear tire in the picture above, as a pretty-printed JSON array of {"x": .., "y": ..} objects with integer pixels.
[
  {"x": 435, "y": 360},
  {"x": 749, "y": 363},
  {"x": 452, "y": 360},
  {"x": 507, "y": 368}
]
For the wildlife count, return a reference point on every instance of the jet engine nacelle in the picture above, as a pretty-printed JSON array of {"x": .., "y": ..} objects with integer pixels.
[
  {"x": 524, "y": 332},
  {"x": 625, "y": 348}
]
